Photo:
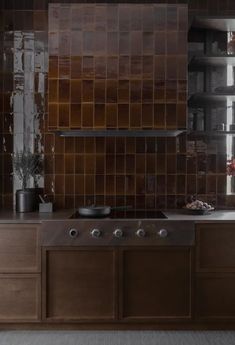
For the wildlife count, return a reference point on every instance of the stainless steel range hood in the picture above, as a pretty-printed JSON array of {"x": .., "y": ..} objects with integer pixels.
[{"x": 120, "y": 133}]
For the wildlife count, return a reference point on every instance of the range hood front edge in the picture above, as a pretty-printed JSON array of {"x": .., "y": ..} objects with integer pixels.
[{"x": 120, "y": 133}]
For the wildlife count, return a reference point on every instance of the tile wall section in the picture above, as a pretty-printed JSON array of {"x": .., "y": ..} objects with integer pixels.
[
  {"x": 117, "y": 66},
  {"x": 181, "y": 167}
]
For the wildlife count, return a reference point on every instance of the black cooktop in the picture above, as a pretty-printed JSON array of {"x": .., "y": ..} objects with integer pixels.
[{"x": 127, "y": 214}]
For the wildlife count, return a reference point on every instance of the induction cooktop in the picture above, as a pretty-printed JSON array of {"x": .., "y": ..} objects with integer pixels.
[{"x": 127, "y": 214}]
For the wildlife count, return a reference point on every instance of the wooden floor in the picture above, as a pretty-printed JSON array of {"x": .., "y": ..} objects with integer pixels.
[{"x": 116, "y": 338}]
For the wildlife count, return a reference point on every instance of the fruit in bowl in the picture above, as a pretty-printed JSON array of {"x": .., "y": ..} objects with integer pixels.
[{"x": 198, "y": 207}]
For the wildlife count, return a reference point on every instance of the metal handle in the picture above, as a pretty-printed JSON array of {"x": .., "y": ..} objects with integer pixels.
[
  {"x": 73, "y": 233},
  {"x": 140, "y": 233},
  {"x": 95, "y": 233},
  {"x": 163, "y": 233},
  {"x": 118, "y": 233}
]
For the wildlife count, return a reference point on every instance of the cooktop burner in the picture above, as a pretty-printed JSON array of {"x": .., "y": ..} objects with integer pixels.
[{"x": 127, "y": 214}]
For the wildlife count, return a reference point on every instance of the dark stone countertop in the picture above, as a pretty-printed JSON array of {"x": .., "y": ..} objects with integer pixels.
[{"x": 10, "y": 217}]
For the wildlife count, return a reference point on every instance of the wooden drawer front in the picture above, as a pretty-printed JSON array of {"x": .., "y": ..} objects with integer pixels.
[
  {"x": 19, "y": 297},
  {"x": 19, "y": 248},
  {"x": 215, "y": 296},
  {"x": 156, "y": 284},
  {"x": 80, "y": 284},
  {"x": 215, "y": 247}
]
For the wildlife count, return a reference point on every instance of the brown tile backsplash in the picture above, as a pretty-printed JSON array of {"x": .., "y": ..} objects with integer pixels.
[
  {"x": 112, "y": 66},
  {"x": 107, "y": 71}
]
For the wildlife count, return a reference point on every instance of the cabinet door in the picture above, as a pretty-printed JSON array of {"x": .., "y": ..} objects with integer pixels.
[
  {"x": 215, "y": 297},
  {"x": 156, "y": 283},
  {"x": 215, "y": 243},
  {"x": 20, "y": 297},
  {"x": 79, "y": 284},
  {"x": 19, "y": 248},
  {"x": 215, "y": 264}
]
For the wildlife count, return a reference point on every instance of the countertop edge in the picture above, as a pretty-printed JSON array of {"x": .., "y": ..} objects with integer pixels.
[{"x": 10, "y": 217}]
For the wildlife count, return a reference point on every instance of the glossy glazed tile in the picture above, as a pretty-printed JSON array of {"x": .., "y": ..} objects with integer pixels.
[{"x": 106, "y": 70}]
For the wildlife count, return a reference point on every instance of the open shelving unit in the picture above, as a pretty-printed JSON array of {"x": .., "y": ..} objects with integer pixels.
[
  {"x": 207, "y": 62},
  {"x": 209, "y": 97},
  {"x": 210, "y": 133},
  {"x": 212, "y": 60},
  {"x": 212, "y": 68},
  {"x": 222, "y": 23}
]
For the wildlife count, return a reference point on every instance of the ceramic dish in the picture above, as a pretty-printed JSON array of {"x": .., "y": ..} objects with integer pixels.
[{"x": 199, "y": 211}]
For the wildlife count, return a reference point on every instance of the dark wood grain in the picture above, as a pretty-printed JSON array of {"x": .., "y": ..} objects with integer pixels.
[
  {"x": 20, "y": 297},
  {"x": 19, "y": 248},
  {"x": 215, "y": 296},
  {"x": 80, "y": 284},
  {"x": 215, "y": 264},
  {"x": 215, "y": 247},
  {"x": 156, "y": 283}
]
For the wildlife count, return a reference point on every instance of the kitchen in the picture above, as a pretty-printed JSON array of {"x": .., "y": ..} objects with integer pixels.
[{"x": 128, "y": 105}]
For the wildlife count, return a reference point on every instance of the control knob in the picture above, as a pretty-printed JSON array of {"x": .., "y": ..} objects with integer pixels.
[
  {"x": 96, "y": 233},
  {"x": 118, "y": 233},
  {"x": 163, "y": 233},
  {"x": 140, "y": 233},
  {"x": 73, "y": 233}
]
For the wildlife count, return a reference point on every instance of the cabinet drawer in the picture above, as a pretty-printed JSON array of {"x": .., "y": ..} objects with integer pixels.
[
  {"x": 19, "y": 297},
  {"x": 215, "y": 247},
  {"x": 215, "y": 296},
  {"x": 19, "y": 248}
]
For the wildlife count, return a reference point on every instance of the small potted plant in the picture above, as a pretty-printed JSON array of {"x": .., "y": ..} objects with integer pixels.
[{"x": 26, "y": 165}]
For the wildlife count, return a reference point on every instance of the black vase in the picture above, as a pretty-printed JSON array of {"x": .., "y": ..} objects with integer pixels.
[{"x": 25, "y": 200}]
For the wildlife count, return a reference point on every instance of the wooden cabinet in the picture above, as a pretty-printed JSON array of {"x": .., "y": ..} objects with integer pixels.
[
  {"x": 20, "y": 278},
  {"x": 215, "y": 267},
  {"x": 80, "y": 283},
  {"x": 215, "y": 247},
  {"x": 121, "y": 286},
  {"x": 215, "y": 298},
  {"x": 20, "y": 297},
  {"x": 117, "y": 285},
  {"x": 156, "y": 283},
  {"x": 19, "y": 248}
]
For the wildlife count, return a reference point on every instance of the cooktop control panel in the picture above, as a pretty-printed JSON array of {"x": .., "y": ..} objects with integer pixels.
[{"x": 99, "y": 232}]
